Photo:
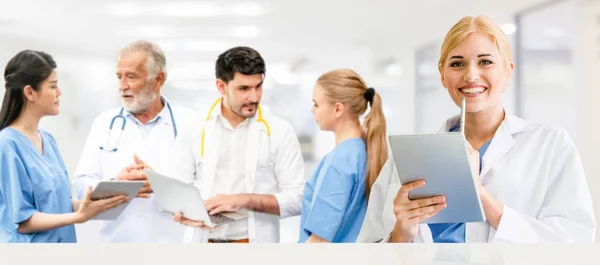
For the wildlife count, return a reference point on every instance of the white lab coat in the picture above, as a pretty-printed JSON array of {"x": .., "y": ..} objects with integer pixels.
[
  {"x": 141, "y": 221},
  {"x": 534, "y": 170},
  {"x": 273, "y": 165}
]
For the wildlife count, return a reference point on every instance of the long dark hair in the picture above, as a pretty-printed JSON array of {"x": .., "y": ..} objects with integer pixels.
[{"x": 26, "y": 68}]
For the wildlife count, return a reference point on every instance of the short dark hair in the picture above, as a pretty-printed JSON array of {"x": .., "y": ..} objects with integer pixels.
[
  {"x": 243, "y": 60},
  {"x": 26, "y": 68}
]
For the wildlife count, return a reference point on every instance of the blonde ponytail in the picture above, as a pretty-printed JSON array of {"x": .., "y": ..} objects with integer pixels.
[
  {"x": 347, "y": 87},
  {"x": 374, "y": 128}
]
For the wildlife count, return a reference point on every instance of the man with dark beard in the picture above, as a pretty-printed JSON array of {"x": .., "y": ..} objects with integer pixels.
[{"x": 241, "y": 156}]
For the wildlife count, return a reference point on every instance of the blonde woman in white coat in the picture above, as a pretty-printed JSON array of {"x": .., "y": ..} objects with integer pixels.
[{"x": 532, "y": 185}]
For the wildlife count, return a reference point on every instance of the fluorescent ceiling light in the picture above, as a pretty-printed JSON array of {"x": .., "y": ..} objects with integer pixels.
[
  {"x": 169, "y": 31},
  {"x": 509, "y": 28},
  {"x": 169, "y": 9},
  {"x": 193, "y": 45},
  {"x": 245, "y": 31},
  {"x": 187, "y": 9}
]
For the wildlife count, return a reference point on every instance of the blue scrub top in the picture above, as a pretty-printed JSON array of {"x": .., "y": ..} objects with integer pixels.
[
  {"x": 454, "y": 232},
  {"x": 32, "y": 182},
  {"x": 340, "y": 206}
]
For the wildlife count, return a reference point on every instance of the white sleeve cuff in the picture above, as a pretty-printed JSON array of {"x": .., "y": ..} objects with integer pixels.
[{"x": 290, "y": 203}]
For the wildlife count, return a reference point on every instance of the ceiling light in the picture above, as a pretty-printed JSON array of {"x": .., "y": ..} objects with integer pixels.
[
  {"x": 186, "y": 9},
  {"x": 509, "y": 28},
  {"x": 193, "y": 45}
]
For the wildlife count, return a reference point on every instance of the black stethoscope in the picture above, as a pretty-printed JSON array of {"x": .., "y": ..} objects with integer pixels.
[{"x": 123, "y": 122}]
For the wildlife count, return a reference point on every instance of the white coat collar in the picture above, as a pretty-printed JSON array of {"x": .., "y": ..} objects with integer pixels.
[
  {"x": 511, "y": 124},
  {"x": 503, "y": 141}
]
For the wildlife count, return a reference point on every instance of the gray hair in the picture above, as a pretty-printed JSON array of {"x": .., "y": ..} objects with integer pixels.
[{"x": 157, "y": 62}]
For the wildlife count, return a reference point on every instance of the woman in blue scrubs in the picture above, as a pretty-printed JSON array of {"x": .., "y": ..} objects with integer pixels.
[
  {"x": 35, "y": 196},
  {"x": 335, "y": 198}
]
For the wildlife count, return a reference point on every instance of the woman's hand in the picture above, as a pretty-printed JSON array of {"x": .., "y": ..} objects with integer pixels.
[
  {"x": 409, "y": 213},
  {"x": 89, "y": 208},
  {"x": 493, "y": 208},
  {"x": 473, "y": 156}
]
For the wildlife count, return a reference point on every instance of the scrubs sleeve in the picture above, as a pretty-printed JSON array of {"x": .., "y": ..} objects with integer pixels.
[
  {"x": 17, "y": 188},
  {"x": 330, "y": 204}
]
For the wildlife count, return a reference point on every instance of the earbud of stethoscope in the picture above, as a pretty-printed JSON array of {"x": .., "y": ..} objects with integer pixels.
[
  {"x": 114, "y": 149},
  {"x": 101, "y": 148}
]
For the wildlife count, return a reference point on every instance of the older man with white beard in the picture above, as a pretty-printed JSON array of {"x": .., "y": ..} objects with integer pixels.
[{"x": 146, "y": 125}]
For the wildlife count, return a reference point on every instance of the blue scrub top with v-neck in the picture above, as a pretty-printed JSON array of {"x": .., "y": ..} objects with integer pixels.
[{"x": 32, "y": 182}]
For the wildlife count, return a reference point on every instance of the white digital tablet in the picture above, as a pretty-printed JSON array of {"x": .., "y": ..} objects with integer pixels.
[
  {"x": 174, "y": 196},
  {"x": 109, "y": 188},
  {"x": 442, "y": 161}
]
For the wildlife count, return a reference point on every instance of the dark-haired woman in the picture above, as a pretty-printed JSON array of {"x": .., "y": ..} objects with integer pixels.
[{"x": 35, "y": 197}]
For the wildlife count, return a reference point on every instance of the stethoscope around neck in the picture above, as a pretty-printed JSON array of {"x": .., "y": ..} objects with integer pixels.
[
  {"x": 121, "y": 117},
  {"x": 260, "y": 119}
]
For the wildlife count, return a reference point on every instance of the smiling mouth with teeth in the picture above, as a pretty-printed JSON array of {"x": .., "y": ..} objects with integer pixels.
[{"x": 473, "y": 91}]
